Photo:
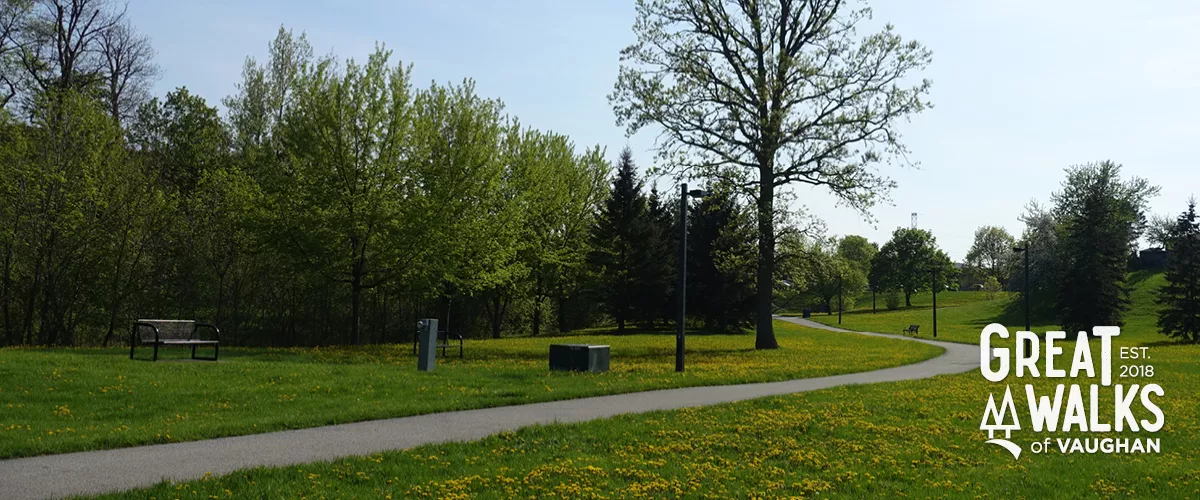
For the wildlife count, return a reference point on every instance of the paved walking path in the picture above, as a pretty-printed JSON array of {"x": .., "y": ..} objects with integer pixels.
[{"x": 91, "y": 472}]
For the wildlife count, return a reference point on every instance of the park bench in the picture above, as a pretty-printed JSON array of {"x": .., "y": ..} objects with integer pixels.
[
  {"x": 911, "y": 329},
  {"x": 172, "y": 332},
  {"x": 443, "y": 342}
]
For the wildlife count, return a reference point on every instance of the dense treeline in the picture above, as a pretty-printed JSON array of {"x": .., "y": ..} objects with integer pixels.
[
  {"x": 636, "y": 254},
  {"x": 332, "y": 202},
  {"x": 335, "y": 202},
  {"x": 1081, "y": 245}
]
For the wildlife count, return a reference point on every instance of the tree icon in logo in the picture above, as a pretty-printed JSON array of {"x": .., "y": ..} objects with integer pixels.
[{"x": 998, "y": 424}]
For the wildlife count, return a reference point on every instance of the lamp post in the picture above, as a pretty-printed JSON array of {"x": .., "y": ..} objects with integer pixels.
[
  {"x": 839, "y": 299},
  {"x": 1025, "y": 291},
  {"x": 683, "y": 210}
]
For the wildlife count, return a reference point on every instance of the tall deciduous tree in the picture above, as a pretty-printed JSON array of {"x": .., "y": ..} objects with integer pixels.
[
  {"x": 62, "y": 44},
  {"x": 69, "y": 193},
  {"x": 1103, "y": 218},
  {"x": 129, "y": 69},
  {"x": 905, "y": 263},
  {"x": 14, "y": 167},
  {"x": 777, "y": 92},
  {"x": 339, "y": 199},
  {"x": 859, "y": 251},
  {"x": 1158, "y": 231},
  {"x": 14, "y": 14},
  {"x": 1043, "y": 235},
  {"x": 1180, "y": 297},
  {"x": 830, "y": 273},
  {"x": 991, "y": 255}
]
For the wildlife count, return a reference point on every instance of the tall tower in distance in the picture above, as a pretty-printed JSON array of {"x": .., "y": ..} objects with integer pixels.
[{"x": 914, "y": 220}]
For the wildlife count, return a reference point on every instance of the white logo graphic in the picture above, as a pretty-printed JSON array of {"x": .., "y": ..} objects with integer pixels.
[
  {"x": 1007, "y": 409},
  {"x": 1076, "y": 412}
]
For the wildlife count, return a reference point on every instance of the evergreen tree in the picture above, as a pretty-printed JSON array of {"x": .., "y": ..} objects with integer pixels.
[
  {"x": 1180, "y": 297},
  {"x": 1102, "y": 219},
  {"x": 658, "y": 270},
  {"x": 721, "y": 262},
  {"x": 619, "y": 243}
]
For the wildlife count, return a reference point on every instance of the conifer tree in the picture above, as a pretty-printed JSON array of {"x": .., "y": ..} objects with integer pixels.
[
  {"x": 1102, "y": 219},
  {"x": 722, "y": 248},
  {"x": 619, "y": 243},
  {"x": 658, "y": 270},
  {"x": 1180, "y": 297}
]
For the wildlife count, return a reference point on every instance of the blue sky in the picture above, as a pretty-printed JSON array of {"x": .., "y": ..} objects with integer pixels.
[{"x": 1022, "y": 89}]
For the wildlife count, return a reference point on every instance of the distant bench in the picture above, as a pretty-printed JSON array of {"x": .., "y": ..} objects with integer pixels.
[
  {"x": 443, "y": 342},
  {"x": 172, "y": 332},
  {"x": 911, "y": 329}
]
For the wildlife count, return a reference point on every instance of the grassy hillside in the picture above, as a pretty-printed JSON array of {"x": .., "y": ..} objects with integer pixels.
[{"x": 962, "y": 315}]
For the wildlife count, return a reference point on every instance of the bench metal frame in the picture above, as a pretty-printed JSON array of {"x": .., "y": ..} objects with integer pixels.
[
  {"x": 913, "y": 329},
  {"x": 443, "y": 342},
  {"x": 135, "y": 340}
]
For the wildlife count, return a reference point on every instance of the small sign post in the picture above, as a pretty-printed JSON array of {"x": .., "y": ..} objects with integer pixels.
[{"x": 427, "y": 338}]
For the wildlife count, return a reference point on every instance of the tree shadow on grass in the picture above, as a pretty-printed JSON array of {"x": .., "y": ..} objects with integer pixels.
[
  {"x": 1138, "y": 277},
  {"x": 174, "y": 353}
]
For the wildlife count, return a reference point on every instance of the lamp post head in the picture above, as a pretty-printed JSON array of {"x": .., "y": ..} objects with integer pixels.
[
  {"x": 1019, "y": 249},
  {"x": 698, "y": 193}
]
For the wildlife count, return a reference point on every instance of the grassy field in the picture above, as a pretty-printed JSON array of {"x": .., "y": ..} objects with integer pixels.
[
  {"x": 958, "y": 321},
  {"x": 62, "y": 400},
  {"x": 907, "y": 439}
]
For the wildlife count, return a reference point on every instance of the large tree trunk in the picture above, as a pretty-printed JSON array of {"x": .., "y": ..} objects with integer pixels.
[
  {"x": 537, "y": 306},
  {"x": 31, "y": 302},
  {"x": 562, "y": 308},
  {"x": 765, "y": 335},
  {"x": 6, "y": 295},
  {"x": 499, "y": 307},
  {"x": 114, "y": 306},
  {"x": 383, "y": 320}
]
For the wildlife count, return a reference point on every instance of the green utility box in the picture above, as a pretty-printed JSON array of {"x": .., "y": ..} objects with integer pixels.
[{"x": 579, "y": 357}]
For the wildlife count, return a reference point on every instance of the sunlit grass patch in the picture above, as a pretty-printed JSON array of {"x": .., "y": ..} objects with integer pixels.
[
  {"x": 912, "y": 439},
  {"x": 59, "y": 400},
  {"x": 906, "y": 439}
]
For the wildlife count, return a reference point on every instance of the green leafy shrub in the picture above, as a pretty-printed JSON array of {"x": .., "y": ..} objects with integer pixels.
[{"x": 893, "y": 300}]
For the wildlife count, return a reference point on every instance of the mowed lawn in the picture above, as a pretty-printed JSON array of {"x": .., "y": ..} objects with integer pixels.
[
  {"x": 961, "y": 316},
  {"x": 906, "y": 439},
  {"x": 61, "y": 400}
]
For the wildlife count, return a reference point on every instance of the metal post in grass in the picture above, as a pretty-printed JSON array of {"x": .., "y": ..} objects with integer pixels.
[
  {"x": 839, "y": 299},
  {"x": 1025, "y": 293},
  {"x": 427, "y": 339},
  {"x": 935, "y": 291},
  {"x": 683, "y": 209}
]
